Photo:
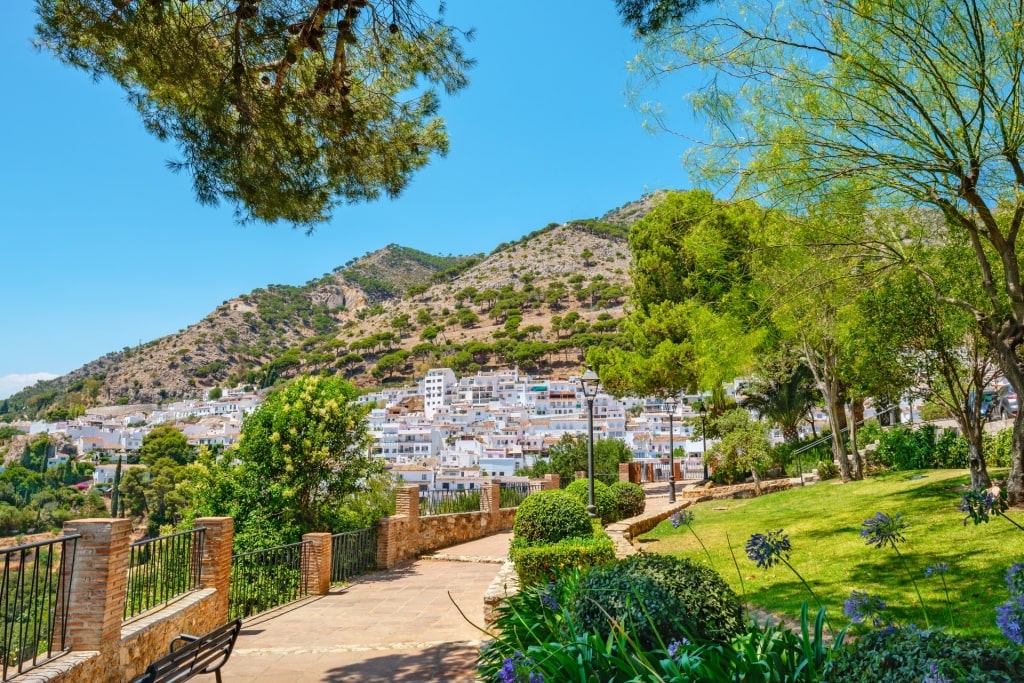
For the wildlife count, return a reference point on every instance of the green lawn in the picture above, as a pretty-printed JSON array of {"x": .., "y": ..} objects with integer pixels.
[{"x": 823, "y": 522}]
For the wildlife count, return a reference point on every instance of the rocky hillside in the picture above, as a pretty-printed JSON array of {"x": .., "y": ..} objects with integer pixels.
[{"x": 537, "y": 303}]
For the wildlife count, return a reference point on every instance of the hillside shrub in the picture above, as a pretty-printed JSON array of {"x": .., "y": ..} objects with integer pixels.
[
  {"x": 549, "y": 517},
  {"x": 902, "y": 448},
  {"x": 604, "y": 499},
  {"x": 545, "y": 563},
  {"x": 705, "y": 607},
  {"x": 900, "y": 654},
  {"x": 630, "y": 499}
]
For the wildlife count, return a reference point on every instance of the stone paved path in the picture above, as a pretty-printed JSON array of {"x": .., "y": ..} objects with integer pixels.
[{"x": 403, "y": 624}]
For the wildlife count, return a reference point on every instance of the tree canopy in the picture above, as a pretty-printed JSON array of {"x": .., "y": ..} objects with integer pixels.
[{"x": 284, "y": 108}]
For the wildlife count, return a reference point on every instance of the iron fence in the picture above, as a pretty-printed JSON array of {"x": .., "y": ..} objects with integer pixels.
[
  {"x": 353, "y": 553},
  {"x": 264, "y": 579},
  {"x": 34, "y": 600},
  {"x": 512, "y": 493},
  {"x": 163, "y": 568},
  {"x": 447, "y": 502}
]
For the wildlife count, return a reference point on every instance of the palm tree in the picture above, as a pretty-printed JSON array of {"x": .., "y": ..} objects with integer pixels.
[{"x": 786, "y": 400}]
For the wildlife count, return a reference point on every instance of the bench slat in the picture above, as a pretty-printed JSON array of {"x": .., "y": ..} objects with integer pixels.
[{"x": 205, "y": 654}]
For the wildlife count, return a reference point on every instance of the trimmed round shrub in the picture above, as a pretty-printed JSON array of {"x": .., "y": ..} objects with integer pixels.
[
  {"x": 630, "y": 499},
  {"x": 549, "y": 517},
  {"x": 827, "y": 470},
  {"x": 604, "y": 501},
  {"x": 663, "y": 598},
  {"x": 896, "y": 655}
]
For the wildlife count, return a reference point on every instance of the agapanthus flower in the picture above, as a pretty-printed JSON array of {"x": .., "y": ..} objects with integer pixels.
[
  {"x": 978, "y": 505},
  {"x": 882, "y": 530},
  {"x": 936, "y": 569},
  {"x": 510, "y": 670},
  {"x": 769, "y": 548},
  {"x": 681, "y": 518},
  {"x": 860, "y": 608},
  {"x": 549, "y": 596},
  {"x": 676, "y": 645},
  {"x": 1010, "y": 619}
]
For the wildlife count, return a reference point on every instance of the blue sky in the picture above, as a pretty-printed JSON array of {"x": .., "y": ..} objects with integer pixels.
[{"x": 103, "y": 247}]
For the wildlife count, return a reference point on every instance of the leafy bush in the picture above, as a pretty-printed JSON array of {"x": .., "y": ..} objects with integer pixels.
[
  {"x": 896, "y": 655},
  {"x": 998, "y": 447},
  {"x": 544, "y": 563},
  {"x": 549, "y": 517},
  {"x": 902, "y": 448},
  {"x": 624, "y": 592},
  {"x": 604, "y": 499},
  {"x": 630, "y": 499},
  {"x": 827, "y": 470}
]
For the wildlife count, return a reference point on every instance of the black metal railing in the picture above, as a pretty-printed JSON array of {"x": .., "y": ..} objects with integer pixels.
[
  {"x": 264, "y": 579},
  {"x": 353, "y": 553},
  {"x": 34, "y": 600},
  {"x": 512, "y": 493},
  {"x": 163, "y": 568},
  {"x": 447, "y": 502}
]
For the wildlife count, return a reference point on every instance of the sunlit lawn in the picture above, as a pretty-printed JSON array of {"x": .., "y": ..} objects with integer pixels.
[{"x": 823, "y": 522}]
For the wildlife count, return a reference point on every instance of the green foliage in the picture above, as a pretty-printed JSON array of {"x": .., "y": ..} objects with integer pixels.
[
  {"x": 165, "y": 441},
  {"x": 569, "y": 456},
  {"x": 708, "y": 608},
  {"x": 215, "y": 393},
  {"x": 827, "y": 469},
  {"x": 255, "y": 99},
  {"x": 301, "y": 455},
  {"x": 999, "y": 447},
  {"x": 902, "y": 448},
  {"x": 538, "y": 564},
  {"x": 612, "y": 596},
  {"x": 209, "y": 369},
  {"x": 549, "y": 517},
  {"x": 604, "y": 500},
  {"x": 909, "y": 654},
  {"x": 630, "y": 499},
  {"x": 743, "y": 446}
]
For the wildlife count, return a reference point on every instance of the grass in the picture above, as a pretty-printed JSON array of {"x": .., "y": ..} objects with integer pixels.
[{"x": 823, "y": 522}]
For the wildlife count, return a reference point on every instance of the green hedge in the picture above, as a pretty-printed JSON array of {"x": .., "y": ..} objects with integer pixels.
[{"x": 545, "y": 563}]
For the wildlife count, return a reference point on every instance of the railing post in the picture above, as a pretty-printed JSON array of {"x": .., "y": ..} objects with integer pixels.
[
  {"x": 97, "y": 590},
  {"x": 624, "y": 471},
  {"x": 407, "y": 502},
  {"x": 407, "y": 511},
  {"x": 316, "y": 563},
  {"x": 217, "y": 549},
  {"x": 551, "y": 481}
]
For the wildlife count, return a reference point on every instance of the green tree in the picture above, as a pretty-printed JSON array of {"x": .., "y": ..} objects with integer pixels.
[
  {"x": 569, "y": 456},
  {"x": 742, "y": 446},
  {"x": 283, "y": 109},
  {"x": 215, "y": 393},
  {"x": 891, "y": 103},
  {"x": 300, "y": 455},
  {"x": 785, "y": 399},
  {"x": 165, "y": 441}
]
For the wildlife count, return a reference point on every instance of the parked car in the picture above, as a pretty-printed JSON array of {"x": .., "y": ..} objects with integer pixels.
[
  {"x": 1005, "y": 405},
  {"x": 988, "y": 403}
]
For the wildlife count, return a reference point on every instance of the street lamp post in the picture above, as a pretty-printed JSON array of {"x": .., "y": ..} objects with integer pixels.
[
  {"x": 703, "y": 409},
  {"x": 589, "y": 382},
  {"x": 670, "y": 408}
]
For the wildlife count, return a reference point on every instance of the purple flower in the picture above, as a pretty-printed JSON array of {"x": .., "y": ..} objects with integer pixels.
[
  {"x": 936, "y": 569},
  {"x": 1015, "y": 579},
  {"x": 549, "y": 597},
  {"x": 1010, "y": 619},
  {"x": 860, "y": 608},
  {"x": 978, "y": 505},
  {"x": 676, "y": 645},
  {"x": 681, "y": 518},
  {"x": 882, "y": 530},
  {"x": 769, "y": 548},
  {"x": 934, "y": 675},
  {"x": 510, "y": 669}
]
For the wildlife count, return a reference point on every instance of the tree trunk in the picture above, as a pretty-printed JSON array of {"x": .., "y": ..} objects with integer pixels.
[
  {"x": 835, "y": 410},
  {"x": 858, "y": 465},
  {"x": 790, "y": 434},
  {"x": 757, "y": 481},
  {"x": 1004, "y": 341}
]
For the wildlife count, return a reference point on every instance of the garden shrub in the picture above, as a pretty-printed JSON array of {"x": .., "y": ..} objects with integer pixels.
[
  {"x": 997, "y": 448},
  {"x": 708, "y": 608},
  {"x": 902, "y": 448},
  {"x": 604, "y": 500},
  {"x": 827, "y": 470},
  {"x": 549, "y": 517},
  {"x": 543, "y": 563},
  {"x": 630, "y": 499},
  {"x": 897, "y": 655}
]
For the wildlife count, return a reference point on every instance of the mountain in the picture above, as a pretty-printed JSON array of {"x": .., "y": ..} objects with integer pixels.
[{"x": 538, "y": 303}]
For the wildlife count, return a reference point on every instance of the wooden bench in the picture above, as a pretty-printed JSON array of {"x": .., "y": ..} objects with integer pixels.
[{"x": 194, "y": 655}]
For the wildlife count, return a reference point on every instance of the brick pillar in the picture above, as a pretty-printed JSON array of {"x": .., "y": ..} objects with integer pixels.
[
  {"x": 316, "y": 563},
  {"x": 98, "y": 587},
  {"x": 490, "y": 497},
  {"x": 407, "y": 502},
  {"x": 677, "y": 466},
  {"x": 581, "y": 475},
  {"x": 624, "y": 471},
  {"x": 551, "y": 481},
  {"x": 216, "y": 572}
]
